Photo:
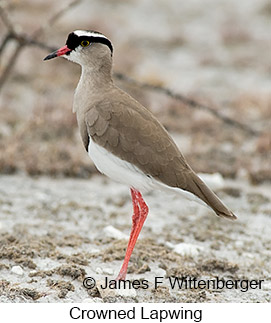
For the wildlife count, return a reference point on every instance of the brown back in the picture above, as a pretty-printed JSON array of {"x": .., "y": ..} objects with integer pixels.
[{"x": 124, "y": 127}]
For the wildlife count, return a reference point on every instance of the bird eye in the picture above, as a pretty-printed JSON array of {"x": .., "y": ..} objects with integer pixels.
[{"x": 85, "y": 43}]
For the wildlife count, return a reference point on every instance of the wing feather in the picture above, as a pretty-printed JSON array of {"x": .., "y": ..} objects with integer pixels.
[
  {"x": 132, "y": 133},
  {"x": 129, "y": 131}
]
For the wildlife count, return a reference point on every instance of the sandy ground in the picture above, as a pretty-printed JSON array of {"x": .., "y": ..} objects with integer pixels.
[{"x": 58, "y": 231}]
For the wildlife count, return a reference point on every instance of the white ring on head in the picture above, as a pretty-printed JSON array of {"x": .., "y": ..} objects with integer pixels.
[{"x": 87, "y": 33}]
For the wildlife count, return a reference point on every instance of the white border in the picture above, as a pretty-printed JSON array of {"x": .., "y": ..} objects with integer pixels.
[{"x": 60, "y": 313}]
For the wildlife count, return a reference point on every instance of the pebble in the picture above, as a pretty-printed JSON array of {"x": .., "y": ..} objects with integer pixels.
[
  {"x": 114, "y": 233},
  {"x": 108, "y": 292},
  {"x": 186, "y": 249},
  {"x": 105, "y": 271},
  {"x": 17, "y": 270},
  {"x": 32, "y": 272},
  {"x": 99, "y": 270},
  {"x": 239, "y": 243}
]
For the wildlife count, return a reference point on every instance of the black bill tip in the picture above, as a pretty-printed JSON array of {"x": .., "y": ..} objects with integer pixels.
[{"x": 50, "y": 56}]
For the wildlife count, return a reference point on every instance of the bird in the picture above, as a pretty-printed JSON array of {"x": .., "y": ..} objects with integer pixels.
[{"x": 124, "y": 139}]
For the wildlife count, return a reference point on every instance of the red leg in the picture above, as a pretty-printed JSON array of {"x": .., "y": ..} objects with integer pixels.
[
  {"x": 135, "y": 216},
  {"x": 140, "y": 214}
]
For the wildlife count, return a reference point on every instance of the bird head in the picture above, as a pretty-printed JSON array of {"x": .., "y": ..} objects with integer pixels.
[{"x": 84, "y": 47}]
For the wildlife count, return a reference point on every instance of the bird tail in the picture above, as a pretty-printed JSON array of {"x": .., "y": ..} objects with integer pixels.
[{"x": 196, "y": 186}]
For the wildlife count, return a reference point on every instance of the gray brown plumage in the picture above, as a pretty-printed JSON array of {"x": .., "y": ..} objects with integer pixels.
[
  {"x": 125, "y": 141},
  {"x": 128, "y": 130}
]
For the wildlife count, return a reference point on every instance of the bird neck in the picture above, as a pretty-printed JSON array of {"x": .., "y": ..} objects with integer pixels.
[
  {"x": 94, "y": 81},
  {"x": 97, "y": 76}
]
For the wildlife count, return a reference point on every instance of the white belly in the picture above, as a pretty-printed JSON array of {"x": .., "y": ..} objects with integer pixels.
[
  {"x": 118, "y": 169},
  {"x": 126, "y": 173}
]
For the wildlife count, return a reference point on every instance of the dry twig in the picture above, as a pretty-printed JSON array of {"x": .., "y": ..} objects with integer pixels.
[
  {"x": 54, "y": 19},
  {"x": 189, "y": 102},
  {"x": 25, "y": 40}
]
